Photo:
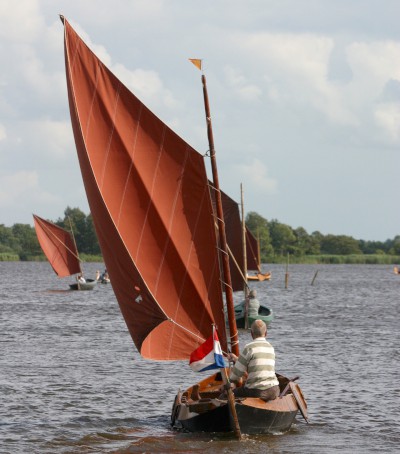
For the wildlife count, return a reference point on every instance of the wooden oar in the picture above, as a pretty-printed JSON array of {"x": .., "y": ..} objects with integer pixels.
[{"x": 298, "y": 395}]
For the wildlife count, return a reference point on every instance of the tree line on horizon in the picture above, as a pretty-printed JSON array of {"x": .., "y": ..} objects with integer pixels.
[{"x": 276, "y": 240}]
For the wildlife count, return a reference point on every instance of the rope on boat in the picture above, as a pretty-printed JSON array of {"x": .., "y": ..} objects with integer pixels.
[
  {"x": 231, "y": 337},
  {"x": 186, "y": 329}
]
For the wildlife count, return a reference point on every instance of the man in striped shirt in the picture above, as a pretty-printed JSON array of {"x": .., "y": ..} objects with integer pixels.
[{"x": 258, "y": 361}]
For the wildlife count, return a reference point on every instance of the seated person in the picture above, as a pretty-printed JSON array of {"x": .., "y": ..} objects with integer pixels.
[
  {"x": 258, "y": 361},
  {"x": 254, "y": 304}
]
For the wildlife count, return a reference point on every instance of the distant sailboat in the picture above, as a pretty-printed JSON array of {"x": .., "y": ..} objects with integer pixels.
[
  {"x": 253, "y": 259},
  {"x": 60, "y": 249},
  {"x": 150, "y": 201}
]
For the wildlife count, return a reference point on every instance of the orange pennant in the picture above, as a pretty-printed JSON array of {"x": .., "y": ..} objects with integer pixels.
[{"x": 196, "y": 62}]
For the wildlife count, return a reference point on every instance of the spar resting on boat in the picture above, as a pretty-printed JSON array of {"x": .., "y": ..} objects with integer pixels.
[
  {"x": 60, "y": 249},
  {"x": 150, "y": 201}
]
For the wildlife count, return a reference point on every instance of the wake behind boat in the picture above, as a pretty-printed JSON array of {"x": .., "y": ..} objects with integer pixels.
[{"x": 150, "y": 201}]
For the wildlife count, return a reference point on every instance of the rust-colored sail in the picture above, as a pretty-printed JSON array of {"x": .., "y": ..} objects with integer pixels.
[
  {"x": 253, "y": 260},
  {"x": 233, "y": 229},
  {"x": 149, "y": 197},
  {"x": 58, "y": 246}
]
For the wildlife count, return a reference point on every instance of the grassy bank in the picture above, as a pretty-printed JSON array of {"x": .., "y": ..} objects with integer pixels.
[
  {"x": 372, "y": 259},
  {"x": 362, "y": 259},
  {"x": 9, "y": 257}
]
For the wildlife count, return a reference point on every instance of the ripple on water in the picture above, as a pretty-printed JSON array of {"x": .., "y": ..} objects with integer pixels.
[{"x": 71, "y": 380}]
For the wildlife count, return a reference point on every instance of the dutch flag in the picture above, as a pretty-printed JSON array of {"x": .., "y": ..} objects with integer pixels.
[{"x": 208, "y": 356}]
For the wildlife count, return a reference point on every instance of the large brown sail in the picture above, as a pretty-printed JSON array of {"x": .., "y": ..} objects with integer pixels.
[
  {"x": 149, "y": 197},
  {"x": 233, "y": 228},
  {"x": 58, "y": 246}
]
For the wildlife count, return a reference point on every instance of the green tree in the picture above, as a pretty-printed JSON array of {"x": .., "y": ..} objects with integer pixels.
[
  {"x": 302, "y": 244},
  {"x": 82, "y": 229},
  {"x": 315, "y": 243},
  {"x": 395, "y": 248},
  {"x": 90, "y": 238},
  {"x": 7, "y": 241},
  {"x": 283, "y": 238},
  {"x": 339, "y": 245},
  {"x": 259, "y": 228},
  {"x": 28, "y": 245}
]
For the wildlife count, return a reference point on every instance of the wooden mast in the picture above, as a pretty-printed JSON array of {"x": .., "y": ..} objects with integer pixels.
[
  {"x": 73, "y": 237},
  {"x": 225, "y": 263},
  {"x": 221, "y": 228}
]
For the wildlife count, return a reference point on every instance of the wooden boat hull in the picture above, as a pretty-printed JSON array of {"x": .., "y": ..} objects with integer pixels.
[
  {"x": 196, "y": 413},
  {"x": 259, "y": 277},
  {"x": 254, "y": 417},
  {"x": 265, "y": 314},
  {"x": 88, "y": 285}
]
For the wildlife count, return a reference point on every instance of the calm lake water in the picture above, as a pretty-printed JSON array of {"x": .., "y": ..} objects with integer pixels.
[{"x": 71, "y": 380}]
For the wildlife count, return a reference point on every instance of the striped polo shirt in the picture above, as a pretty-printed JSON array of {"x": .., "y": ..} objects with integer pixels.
[{"x": 258, "y": 359}]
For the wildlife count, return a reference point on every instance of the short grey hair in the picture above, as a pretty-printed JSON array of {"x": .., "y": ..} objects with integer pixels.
[
  {"x": 253, "y": 293},
  {"x": 259, "y": 328}
]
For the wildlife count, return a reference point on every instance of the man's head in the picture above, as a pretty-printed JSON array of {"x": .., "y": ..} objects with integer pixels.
[
  {"x": 253, "y": 293},
  {"x": 258, "y": 329}
]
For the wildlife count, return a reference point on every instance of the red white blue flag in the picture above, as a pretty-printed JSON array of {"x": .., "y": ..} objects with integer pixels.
[{"x": 208, "y": 356}]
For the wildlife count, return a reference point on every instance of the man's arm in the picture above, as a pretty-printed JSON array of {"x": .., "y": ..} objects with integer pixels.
[{"x": 240, "y": 367}]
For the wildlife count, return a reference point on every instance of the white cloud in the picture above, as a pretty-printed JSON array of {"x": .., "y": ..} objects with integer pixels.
[
  {"x": 238, "y": 83},
  {"x": 3, "y": 133},
  {"x": 294, "y": 88},
  {"x": 21, "y": 188},
  {"x": 20, "y": 21},
  {"x": 48, "y": 139},
  {"x": 255, "y": 174},
  {"x": 147, "y": 85},
  {"x": 387, "y": 116}
]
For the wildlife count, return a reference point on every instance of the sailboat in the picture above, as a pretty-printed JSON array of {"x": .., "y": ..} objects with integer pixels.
[
  {"x": 253, "y": 259},
  {"x": 60, "y": 249},
  {"x": 150, "y": 201}
]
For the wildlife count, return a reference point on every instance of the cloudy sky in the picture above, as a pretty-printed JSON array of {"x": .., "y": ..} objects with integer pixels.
[{"x": 305, "y": 101}]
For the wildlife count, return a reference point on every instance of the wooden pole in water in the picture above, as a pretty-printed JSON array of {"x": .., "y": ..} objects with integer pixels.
[
  {"x": 245, "y": 286},
  {"x": 315, "y": 275},
  {"x": 287, "y": 272}
]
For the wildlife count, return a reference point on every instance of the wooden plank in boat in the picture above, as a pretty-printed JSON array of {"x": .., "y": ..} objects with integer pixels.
[
  {"x": 286, "y": 403},
  {"x": 298, "y": 395}
]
